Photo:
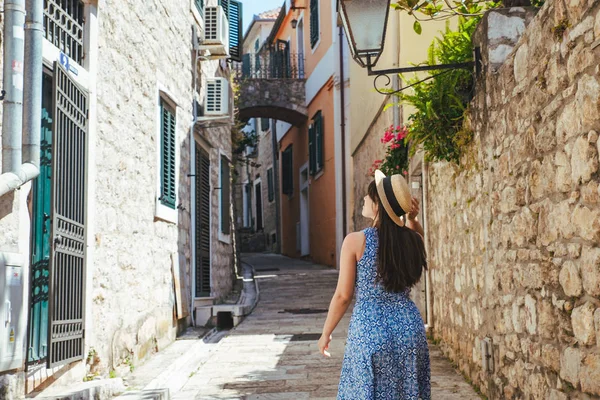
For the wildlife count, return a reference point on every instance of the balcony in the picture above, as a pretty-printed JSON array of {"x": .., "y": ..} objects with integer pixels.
[{"x": 272, "y": 85}]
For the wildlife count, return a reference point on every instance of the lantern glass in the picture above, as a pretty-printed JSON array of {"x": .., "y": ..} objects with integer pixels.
[{"x": 365, "y": 23}]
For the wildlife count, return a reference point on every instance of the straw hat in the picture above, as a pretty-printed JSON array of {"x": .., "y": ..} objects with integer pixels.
[{"x": 394, "y": 194}]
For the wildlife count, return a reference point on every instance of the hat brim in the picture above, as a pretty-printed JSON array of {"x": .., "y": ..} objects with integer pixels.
[{"x": 379, "y": 176}]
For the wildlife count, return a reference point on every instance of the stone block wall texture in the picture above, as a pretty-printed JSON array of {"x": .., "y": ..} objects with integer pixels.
[
  {"x": 252, "y": 240},
  {"x": 514, "y": 229},
  {"x": 133, "y": 299},
  {"x": 366, "y": 153}
]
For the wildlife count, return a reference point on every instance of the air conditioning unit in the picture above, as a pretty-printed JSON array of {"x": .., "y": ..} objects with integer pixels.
[
  {"x": 217, "y": 97},
  {"x": 215, "y": 38}
]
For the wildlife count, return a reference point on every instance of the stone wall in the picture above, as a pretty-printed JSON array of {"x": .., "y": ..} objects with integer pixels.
[
  {"x": 513, "y": 231},
  {"x": 369, "y": 150},
  {"x": 252, "y": 241}
]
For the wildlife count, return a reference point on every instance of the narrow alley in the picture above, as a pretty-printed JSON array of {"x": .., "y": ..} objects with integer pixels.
[{"x": 273, "y": 353}]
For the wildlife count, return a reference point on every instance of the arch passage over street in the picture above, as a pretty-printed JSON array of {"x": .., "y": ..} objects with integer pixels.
[
  {"x": 280, "y": 99},
  {"x": 273, "y": 85}
]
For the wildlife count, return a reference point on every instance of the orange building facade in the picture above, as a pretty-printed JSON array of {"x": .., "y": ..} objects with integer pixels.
[{"x": 312, "y": 220}]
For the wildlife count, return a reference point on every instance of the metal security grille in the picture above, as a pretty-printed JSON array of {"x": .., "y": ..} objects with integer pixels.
[
  {"x": 202, "y": 223},
  {"x": 64, "y": 25},
  {"x": 67, "y": 257}
]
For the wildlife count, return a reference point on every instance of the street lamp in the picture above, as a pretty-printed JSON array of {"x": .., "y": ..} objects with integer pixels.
[{"x": 365, "y": 24}]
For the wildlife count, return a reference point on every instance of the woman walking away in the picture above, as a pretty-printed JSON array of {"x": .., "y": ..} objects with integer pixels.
[{"x": 386, "y": 353}]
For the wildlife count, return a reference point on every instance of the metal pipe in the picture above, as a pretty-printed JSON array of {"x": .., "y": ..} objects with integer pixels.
[
  {"x": 14, "y": 20},
  {"x": 425, "y": 220},
  {"x": 14, "y": 116},
  {"x": 343, "y": 129},
  {"x": 32, "y": 98},
  {"x": 275, "y": 151}
]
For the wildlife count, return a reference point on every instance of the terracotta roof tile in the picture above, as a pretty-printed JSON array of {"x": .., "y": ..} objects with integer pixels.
[{"x": 271, "y": 14}]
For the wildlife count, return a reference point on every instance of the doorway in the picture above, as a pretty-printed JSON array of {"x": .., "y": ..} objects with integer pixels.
[
  {"x": 41, "y": 230},
  {"x": 304, "y": 212}
]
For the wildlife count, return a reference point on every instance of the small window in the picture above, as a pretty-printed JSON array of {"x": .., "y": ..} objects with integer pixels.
[
  {"x": 256, "y": 45},
  {"x": 225, "y": 196},
  {"x": 316, "y": 144},
  {"x": 167, "y": 146},
  {"x": 270, "y": 185},
  {"x": 265, "y": 124},
  {"x": 314, "y": 22},
  {"x": 287, "y": 174}
]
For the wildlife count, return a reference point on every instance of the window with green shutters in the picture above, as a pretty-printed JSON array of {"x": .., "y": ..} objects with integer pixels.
[
  {"x": 270, "y": 185},
  {"x": 265, "y": 124},
  {"x": 168, "y": 195},
  {"x": 225, "y": 196},
  {"x": 314, "y": 22},
  {"x": 233, "y": 10},
  {"x": 199, "y": 6},
  {"x": 287, "y": 171},
  {"x": 315, "y": 144}
]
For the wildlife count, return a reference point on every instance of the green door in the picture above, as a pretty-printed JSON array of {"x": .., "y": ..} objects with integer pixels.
[{"x": 38, "y": 324}]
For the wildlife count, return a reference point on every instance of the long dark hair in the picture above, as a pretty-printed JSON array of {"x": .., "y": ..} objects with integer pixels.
[{"x": 401, "y": 257}]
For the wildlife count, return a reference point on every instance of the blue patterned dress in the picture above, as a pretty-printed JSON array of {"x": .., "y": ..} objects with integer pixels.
[{"x": 386, "y": 354}]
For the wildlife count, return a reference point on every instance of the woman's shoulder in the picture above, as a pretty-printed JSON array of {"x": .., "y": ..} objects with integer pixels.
[{"x": 356, "y": 240}]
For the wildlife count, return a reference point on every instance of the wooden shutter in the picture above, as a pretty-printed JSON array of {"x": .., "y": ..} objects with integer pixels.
[
  {"x": 265, "y": 124},
  {"x": 270, "y": 184},
  {"x": 312, "y": 153},
  {"x": 259, "y": 213},
  {"x": 287, "y": 176},
  {"x": 314, "y": 22},
  {"x": 202, "y": 223},
  {"x": 67, "y": 280},
  {"x": 200, "y": 6},
  {"x": 225, "y": 196},
  {"x": 167, "y": 172},
  {"x": 319, "y": 141},
  {"x": 233, "y": 10}
]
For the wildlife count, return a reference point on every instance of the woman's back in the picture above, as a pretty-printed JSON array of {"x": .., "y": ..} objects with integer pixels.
[{"x": 386, "y": 354}]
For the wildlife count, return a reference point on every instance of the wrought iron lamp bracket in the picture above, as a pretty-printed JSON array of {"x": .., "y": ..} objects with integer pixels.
[{"x": 472, "y": 66}]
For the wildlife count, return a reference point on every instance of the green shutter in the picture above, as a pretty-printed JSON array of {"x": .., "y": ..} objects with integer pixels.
[
  {"x": 287, "y": 166},
  {"x": 314, "y": 22},
  {"x": 200, "y": 6},
  {"x": 225, "y": 196},
  {"x": 270, "y": 184},
  {"x": 233, "y": 10},
  {"x": 312, "y": 154},
  {"x": 319, "y": 139},
  {"x": 168, "y": 195}
]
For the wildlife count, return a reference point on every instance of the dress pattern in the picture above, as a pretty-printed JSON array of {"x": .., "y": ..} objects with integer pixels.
[{"x": 386, "y": 354}]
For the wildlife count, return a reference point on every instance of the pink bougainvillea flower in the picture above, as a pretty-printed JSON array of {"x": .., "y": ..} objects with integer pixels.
[
  {"x": 387, "y": 137},
  {"x": 394, "y": 146},
  {"x": 397, "y": 167}
]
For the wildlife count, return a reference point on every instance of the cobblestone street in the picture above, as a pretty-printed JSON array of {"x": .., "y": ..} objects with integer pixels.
[{"x": 273, "y": 354}]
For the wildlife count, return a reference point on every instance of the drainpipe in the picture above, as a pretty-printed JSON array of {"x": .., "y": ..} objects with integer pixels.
[
  {"x": 343, "y": 129},
  {"x": 32, "y": 97},
  {"x": 276, "y": 184},
  {"x": 424, "y": 219},
  {"x": 14, "y": 173},
  {"x": 396, "y": 78}
]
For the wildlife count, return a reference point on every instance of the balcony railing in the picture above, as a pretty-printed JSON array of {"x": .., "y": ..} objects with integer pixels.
[{"x": 274, "y": 64}]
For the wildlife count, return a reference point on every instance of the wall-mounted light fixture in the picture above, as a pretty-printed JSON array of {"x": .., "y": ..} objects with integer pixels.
[{"x": 294, "y": 23}]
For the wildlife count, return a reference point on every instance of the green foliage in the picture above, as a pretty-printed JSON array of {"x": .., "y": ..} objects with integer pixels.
[
  {"x": 441, "y": 102},
  {"x": 443, "y": 9}
]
